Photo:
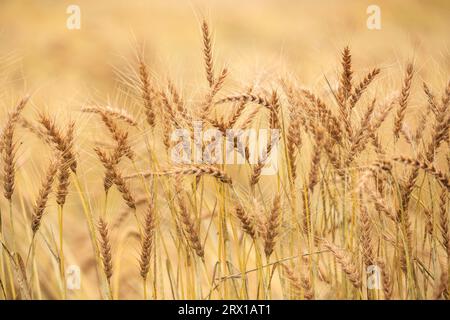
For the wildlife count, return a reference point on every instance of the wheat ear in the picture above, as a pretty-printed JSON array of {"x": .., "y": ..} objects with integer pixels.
[
  {"x": 147, "y": 241},
  {"x": 403, "y": 101},
  {"x": 105, "y": 249},
  {"x": 194, "y": 169},
  {"x": 347, "y": 264},
  {"x": 427, "y": 167},
  {"x": 246, "y": 221},
  {"x": 44, "y": 192},
  {"x": 298, "y": 284},
  {"x": 207, "y": 54},
  {"x": 273, "y": 224}
]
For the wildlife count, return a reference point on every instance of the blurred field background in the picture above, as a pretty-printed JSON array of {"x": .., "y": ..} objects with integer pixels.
[
  {"x": 259, "y": 41},
  {"x": 253, "y": 38}
]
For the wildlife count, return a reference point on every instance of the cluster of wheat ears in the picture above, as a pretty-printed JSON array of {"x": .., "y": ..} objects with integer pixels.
[{"x": 357, "y": 210}]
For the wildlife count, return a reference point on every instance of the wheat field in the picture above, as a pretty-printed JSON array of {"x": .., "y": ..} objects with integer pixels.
[{"x": 94, "y": 204}]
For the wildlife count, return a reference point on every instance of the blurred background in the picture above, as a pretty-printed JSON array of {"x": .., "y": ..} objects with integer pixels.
[{"x": 256, "y": 39}]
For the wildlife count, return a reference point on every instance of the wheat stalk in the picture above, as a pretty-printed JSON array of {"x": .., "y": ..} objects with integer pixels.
[
  {"x": 403, "y": 101},
  {"x": 273, "y": 225},
  {"x": 189, "y": 227},
  {"x": 427, "y": 167},
  {"x": 347, "y": 264},
  {"x": 147, "y": 241},
  {"x": 44, "y": 192},
  {"x": 105, "y": 249},
  {"x": 193, "y": 169},
  {"x": 116, "y": 113},
  {"x": 246, "y": 221},
  {"x": 301, "y": 284},
  {"x": 147, "y": 91}
]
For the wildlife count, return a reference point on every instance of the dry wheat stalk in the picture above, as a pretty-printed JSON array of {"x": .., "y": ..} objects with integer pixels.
[
  {"x": 379, "y": 204},
  {"x": 440, "y": 130},
  {"x": 39, "y": 132},
  {"x": 316, "y": 110},
  {"x": 246, "y": 220},
  {"x": 344, "y": 91},
  {"x": 345, "y": 84},
  {"x": 120, "y": 137},
  {"x": 13, "y": 118},
  {"x": 293, "y": 143},
  {"x": 205, "y": 106},
  {"x": 440, "y": 133},
  {"x": 44, "y": 192},
  {"x": 123, "y": 215},
  {"x": 121, "y": 149},
  {"x": 20, "y": 274},
  {"x": 386, "y": 280},
  {"x": 403, "y": 101},
  {"x": 247, "y": 121},
  {"x": 62, "y": 142},
  {"x": 8, "y": 148},
  {"x": 62, "y": 189},
  {"x": 238, "y": 111},
  {"x": 169, "y": 110},
  {"x": 105, "y": 249},
  {"x": 360, "y": 142},
  {"x": 273, "y": 225},
  {"x": 315, "y": 160},
  {"x": 421, "y": 127},
  {"x": 446, "y": 97},
  {"x": 347, "y": 264},
  {"x": 207, "y": 54},
  {"x": 123, "y": 188},
  {"x": 246, "y": 98},
  {"x": 441, "y": 289},
  {"x": 298, "y": 284},
  {"x": 179, "y": 103},
  {"x": 357, "y": 138},
  {"x": 427, "y": 167},
  {"x": 108, "y": 164},
  {"x": 190, "y": 231},
  {"x": 113, "y": 175},
  {"x": 193, "y": 169},
  {"x": 362, "y": 86},
  {"x": 444, "y": 222},
  {"x": 366, "y": 236},
  {"x": 67, "y": 163},
  {"x": 259, "y": 218},
  {"x": 429, "y": 227},
  {"x": 147, "y": 241},
  {"x": 9, "y": 161},
  {"x": 257, "y": 169},
  {"x": 116, "y": 113},
  {"x": 70, "y": 142},
  {"x": 432, "y": 104},
  {"x": 333, "y": 156},
  {"x": 274, "y": 122},
  {"x": 147, "y": 91}
]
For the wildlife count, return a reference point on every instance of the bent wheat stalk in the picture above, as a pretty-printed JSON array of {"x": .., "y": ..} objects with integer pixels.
[
  {"x": 196, "y": 170},
  {"x": 427, "y": 167}
]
